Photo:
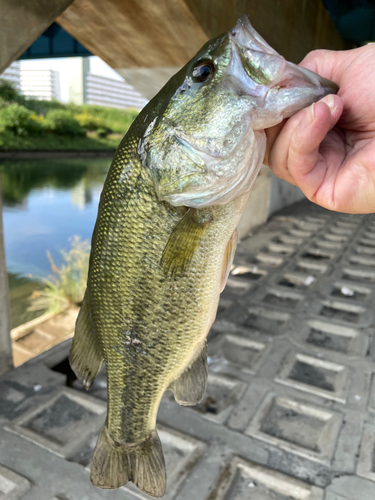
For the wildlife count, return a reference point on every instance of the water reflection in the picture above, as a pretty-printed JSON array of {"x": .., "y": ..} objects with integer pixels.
[{"x": 45, "y": 204}]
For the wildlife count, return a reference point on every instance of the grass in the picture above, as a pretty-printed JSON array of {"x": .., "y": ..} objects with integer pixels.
[
  {"x": 49, "y": 142},
  {"x": 68, "y": 284}
]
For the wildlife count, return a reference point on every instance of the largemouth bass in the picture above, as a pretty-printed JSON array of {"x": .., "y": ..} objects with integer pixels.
[{"x": 165, "y": 237}]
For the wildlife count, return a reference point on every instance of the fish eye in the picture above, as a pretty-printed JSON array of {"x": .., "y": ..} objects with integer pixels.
[{"x": 203, "y": 70}]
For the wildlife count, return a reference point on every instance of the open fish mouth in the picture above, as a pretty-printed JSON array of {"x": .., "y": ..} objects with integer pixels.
[
  {"x": 297, "y": 76},
  {"x": 259, "y": 68}
]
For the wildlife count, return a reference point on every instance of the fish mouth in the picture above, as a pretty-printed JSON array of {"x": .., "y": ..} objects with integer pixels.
[
  {"x": 246, "y": 36},
  {"x": 297, "y": 76},
  {"x": 272, "y": 70},
  {"x": 277, "y": 88}
]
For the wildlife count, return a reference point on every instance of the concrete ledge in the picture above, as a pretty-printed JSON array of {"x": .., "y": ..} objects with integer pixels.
[{"x": 50, "y": 155}]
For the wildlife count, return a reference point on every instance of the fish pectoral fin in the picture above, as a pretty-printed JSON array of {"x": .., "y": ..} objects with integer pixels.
[
  {"x": 184, "y": 241},
  {"x": 114, "y": 464},
  {"x": 228, "y": 259},
  {"x": 85, "y": 357},
  {"x": 189, "y": 388}
]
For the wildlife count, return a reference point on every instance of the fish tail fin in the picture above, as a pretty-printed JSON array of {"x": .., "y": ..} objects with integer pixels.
[
  {"x": 113, "y": 465},
  {"x": 85, "y": 357},
  {"x": 110, "y": 466},
  {"x": 148, "y": 466}
]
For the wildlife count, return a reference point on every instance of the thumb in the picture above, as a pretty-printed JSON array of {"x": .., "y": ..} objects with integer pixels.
[{"x": 271, "y": 134}]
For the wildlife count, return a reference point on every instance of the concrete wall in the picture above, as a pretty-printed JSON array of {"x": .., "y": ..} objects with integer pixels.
[
  {"x": 6, "y": 360},
  {"x": 269, "y": 195},
  {"x": 282, "y": 194},
  {"x": 256, "y": 211}
]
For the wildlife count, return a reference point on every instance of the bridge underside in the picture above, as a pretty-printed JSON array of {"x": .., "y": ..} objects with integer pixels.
[{"x": 146, "y": 42}]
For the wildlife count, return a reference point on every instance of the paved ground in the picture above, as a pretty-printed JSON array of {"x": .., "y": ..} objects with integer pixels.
[
  {"x": 41, "y": 334},
  {"x": 289, "y": 413}
]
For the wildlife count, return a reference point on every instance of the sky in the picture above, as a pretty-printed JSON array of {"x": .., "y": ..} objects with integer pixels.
[{"x": 97, "y": 67}]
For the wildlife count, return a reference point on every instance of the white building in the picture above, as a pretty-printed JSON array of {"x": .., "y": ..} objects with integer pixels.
[
  {"x": 89, "y": 88},
  {"x": 40, "y": 84},
  {"x": 12, "y": 74},
  {"x": 106, "y": 91}
]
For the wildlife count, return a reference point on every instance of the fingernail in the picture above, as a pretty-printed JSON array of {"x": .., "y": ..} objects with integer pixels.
[
  {"x": 330, "y": 101},
  {"x": 312, "y": 107},
  {"x": 309, "y": 116}
]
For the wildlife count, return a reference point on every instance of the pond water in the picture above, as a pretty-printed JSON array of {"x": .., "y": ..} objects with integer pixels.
[{"x": 45, "y": 204}]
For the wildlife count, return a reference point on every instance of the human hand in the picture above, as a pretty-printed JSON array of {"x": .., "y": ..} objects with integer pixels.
[{"x": 328, "y": 149}]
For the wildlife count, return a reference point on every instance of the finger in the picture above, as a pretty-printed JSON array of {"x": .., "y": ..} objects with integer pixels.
[
  {"x": 302, "y": 162},
  {"x": 271, "y": 134},
  {"x": 278, "y": 145},
  {"x": 278, "y": 154},
  {"x": 353, "y": 188},
  {"x": 307, "y": 129},
  {"x": 330, "y": 64}
]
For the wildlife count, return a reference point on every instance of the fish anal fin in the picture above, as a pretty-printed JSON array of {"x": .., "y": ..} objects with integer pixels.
[
  {"x": 114, "y": 464},
  {"x": 228, "y": 259},
  {"x": 189, "y": 388},
  {"x": 85, "y": 357},
  {"x": 183, "y": 242}
]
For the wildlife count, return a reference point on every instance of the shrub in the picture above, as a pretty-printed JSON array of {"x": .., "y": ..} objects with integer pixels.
[
  {"x": 8, "y": 91},
  {"x": 68, "y": 285},
  {"x": 119, "y": 120},
  {"x": 103, "y": 131},
  {"x": 41, "y": 107},
  {"x": 89, "y": 121},
  {"x": 61, "y": 121},
  {"x": 20, "y": 120}
]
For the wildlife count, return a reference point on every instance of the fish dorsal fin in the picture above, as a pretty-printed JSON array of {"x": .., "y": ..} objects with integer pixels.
[
  {"x": 228, "y": 259},
  {"x": 184, "y": 241},
  {"x": 85, "y": 357},
  {"x": 189, "y": 388}
]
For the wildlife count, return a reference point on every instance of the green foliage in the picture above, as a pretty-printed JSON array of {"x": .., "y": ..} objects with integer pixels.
[
  {"x": 61, "y": 121},
  {"x": 68, "y": 284},
  {"x": 103, "y": 132},
  {"x": 42, "y": 107},
  {"x": 66, "y": 123},
  {"x": 8, "y": 91},
  {"x": 89, "y": 121},
  {"x": 19, "y": 120},
  {"x": 117, "y": 120},
  {"x": 53, "y": 142}
]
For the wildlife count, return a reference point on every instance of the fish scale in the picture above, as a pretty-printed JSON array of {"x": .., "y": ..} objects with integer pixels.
[
  {"x": 145, "y": 302},
  {"x": 165, "y": 237}
]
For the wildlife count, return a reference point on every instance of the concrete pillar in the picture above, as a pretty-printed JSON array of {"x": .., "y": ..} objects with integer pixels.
[
  {"x": 147, "y": 81},
  {"x": 6, "y": 360},
  {"x": 22, "y": 22},
  {"x": 79, "y": 67}
]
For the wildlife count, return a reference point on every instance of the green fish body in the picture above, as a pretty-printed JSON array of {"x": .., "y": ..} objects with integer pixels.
[{"x": 165, "y": 237}]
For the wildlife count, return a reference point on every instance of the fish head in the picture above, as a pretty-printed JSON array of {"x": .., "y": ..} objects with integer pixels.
[{"x": 206, "y": 142}]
